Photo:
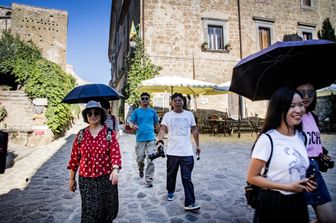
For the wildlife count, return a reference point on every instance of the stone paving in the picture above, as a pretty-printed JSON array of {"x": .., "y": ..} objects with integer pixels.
[{"x": 36, "y": 188}]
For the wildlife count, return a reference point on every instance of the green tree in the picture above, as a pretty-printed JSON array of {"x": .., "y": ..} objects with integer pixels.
[
  {"x": 41, "y": 78},
  {"x": 140, "y": 68},
  {"x": 327, "y": 32}
]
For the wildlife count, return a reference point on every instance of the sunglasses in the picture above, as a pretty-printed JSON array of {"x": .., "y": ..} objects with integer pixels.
[
  {"x": 95, "y": 113},
  {"x": 144, "y": 98},
  {"x": 310, "y": 93}
]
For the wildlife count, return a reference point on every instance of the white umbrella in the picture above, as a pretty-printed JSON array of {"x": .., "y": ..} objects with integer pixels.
[
  {"x": 331, "y": 90},
  {"x": 222, "y": 88},
  {"x": 178, "y": 84}
]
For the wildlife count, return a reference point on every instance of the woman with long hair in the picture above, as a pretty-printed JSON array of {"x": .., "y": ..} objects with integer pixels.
[
  {"x": 281, "y": 198},
  {"x": 320, "y": 198}
]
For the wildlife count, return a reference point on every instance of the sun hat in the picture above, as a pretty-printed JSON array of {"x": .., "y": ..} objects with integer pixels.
[{"x": 97, "y": 105}]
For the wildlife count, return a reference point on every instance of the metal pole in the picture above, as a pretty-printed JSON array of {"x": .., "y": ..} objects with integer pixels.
[{"x": 240, "y": 98}]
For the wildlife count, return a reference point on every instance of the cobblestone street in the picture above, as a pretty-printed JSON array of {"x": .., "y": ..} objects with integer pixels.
[{"x": 36, "y": 188}]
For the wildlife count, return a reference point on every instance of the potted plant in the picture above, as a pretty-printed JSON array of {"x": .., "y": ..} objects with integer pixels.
[
  {"x": 227, "y": 47},
  {"x": 204, "y": 46}
]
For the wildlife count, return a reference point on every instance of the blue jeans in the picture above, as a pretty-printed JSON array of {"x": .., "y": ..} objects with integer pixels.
[{"x": 186, "y": 164}]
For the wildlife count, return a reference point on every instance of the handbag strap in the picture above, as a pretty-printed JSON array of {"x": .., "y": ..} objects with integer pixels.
[{"x": 269, "y": 159}]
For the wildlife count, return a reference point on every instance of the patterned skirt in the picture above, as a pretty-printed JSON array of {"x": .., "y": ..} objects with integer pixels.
[{"x": 99, "y": 199}]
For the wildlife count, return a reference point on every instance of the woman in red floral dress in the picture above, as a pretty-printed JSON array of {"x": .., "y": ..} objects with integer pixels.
[{"x": 99, "y": 161}]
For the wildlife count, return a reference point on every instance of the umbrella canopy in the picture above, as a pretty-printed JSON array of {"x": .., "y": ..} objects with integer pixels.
[
  {"x": 331, "y": 90},
  {"x": 222, "y": 88},
  {"x": 285, "y": 63},
  {"x": 176, "y": 84},
  {"x": 85, "y": 93}
]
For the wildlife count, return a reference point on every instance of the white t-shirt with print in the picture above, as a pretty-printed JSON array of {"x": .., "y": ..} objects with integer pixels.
[
  {"x": 179, "y": 132},
  {"x": 289, "y": 161}
]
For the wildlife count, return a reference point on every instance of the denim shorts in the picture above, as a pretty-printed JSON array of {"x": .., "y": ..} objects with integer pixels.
[{"x": 321, "y": 194}]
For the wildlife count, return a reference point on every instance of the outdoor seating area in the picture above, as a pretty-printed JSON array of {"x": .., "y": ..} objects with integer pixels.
[{"x": 226, "y": 126}]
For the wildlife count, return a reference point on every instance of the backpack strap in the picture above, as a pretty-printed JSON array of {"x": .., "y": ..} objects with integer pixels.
[
  {"x": 315, "y": 118},
  {"x": 269, "y": 159},
  {"x": 109, "y": 134},
  {"x": 304, "y": 135},
  {"x": 80, "y": 137}
]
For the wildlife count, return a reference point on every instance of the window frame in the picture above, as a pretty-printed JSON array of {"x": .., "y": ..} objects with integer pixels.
[
  {"x": 305, "y": 6},
  {"x": 263, "y": 23},
  {"x": 306, "y": 28},
  {"x": 215, "y": 23}
]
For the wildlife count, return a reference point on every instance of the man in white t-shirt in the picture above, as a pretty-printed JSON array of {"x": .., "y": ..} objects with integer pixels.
[{"x": 180, "y": 124}]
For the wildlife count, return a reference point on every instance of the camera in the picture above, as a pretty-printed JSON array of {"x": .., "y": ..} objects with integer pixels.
[
  {"x": 159, "y": 153},
  {"x": 324, "y": 165}
]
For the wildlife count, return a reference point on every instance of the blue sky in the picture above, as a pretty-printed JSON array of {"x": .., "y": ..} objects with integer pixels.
[{"x": 88, "y": 34}]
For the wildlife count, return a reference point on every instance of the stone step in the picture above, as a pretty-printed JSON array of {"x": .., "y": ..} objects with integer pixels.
[
  {"x": 13, "y": 94},
  {"x": 15, "y": 99}
]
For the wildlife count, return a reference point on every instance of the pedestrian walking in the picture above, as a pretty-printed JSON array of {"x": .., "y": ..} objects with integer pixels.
[
  {"x": 144, "y": 120},
  {"x": 283, "y": 143},
  {"x": 320, "y": 198},
  {"x": 111, "y": 121},
  {"x": 96, "y": 153},
  {"x": 3, "y": 150},
  {"x": 180, "y": 124}
]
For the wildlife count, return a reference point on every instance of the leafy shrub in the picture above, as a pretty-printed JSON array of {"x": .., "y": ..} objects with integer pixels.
[
  {"x": 41, "y": 77},
  {"x": 3, "y": 113}
]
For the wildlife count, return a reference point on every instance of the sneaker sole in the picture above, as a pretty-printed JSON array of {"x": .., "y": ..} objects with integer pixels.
[
  {"x": 192, "y": 209},
  {"x": 170, "y": 199}
]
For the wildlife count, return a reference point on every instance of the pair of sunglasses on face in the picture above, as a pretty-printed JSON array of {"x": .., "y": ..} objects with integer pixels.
[
  {"x": 93, "y": 113},
  {"x": 310, "y": 93},
  {"x": 144, "y": 98}
]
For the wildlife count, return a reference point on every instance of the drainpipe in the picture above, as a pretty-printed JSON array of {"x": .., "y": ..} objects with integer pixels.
[
  {"x": 240, "y": 98},
  {"x": 142, "y": 17}
]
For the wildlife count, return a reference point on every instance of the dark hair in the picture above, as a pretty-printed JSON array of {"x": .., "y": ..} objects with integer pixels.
[
  {"x": 102, "y": 115},
  {"x": 105, "y": 104},
  {"x": 175, "y": 95},
  {"x": 145, "y": 94},
  {"x": 278, "y": 107},
  {"x": 312, "y": 105}
]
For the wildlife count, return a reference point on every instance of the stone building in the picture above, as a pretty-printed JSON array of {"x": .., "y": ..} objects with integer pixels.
[
  {"x": 47, "y": 28},
  {"x": 203, "y": 40}
]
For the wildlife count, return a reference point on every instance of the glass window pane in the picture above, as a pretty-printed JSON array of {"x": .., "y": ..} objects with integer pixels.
[
  {"x": 307, "y": 2},
  {"x": 307, "y": 35},
  {"x": 215, "y": 37}
]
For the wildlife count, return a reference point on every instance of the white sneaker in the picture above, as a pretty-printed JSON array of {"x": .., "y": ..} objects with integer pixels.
[{"x": 192, "y": 207}]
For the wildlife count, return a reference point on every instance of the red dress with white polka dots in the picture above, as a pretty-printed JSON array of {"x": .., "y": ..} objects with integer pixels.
[{"x": 94, "y": 158}]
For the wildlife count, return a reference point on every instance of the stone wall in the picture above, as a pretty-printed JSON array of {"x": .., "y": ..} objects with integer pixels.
[
  {"x": 285, "y": 16},
  {"x": 47, "y": 28},
  {"x": 326, "y": 111},
  {"x": 24, "y": 125}
]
